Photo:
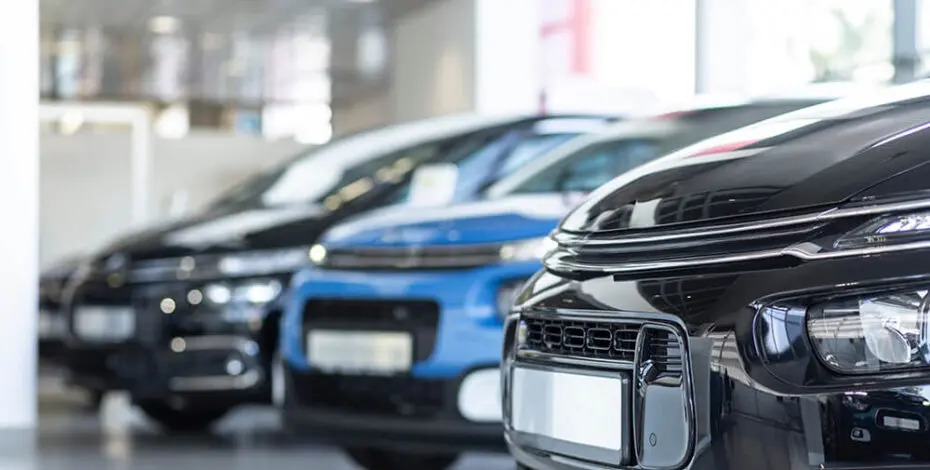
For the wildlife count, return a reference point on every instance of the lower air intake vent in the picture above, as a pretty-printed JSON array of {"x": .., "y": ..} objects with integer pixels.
[
  {"x": 664, "y": 352},
  {"x": 582, "y": 338}
]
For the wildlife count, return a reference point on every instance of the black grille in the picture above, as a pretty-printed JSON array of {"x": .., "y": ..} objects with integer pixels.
[
  {"x": 429, "y": 257},
  {"x": 418, "y": 317},
  {"x": 404, "y": 396},
  {"x": 584, "y": 339},
  {"x": 604, "y": 340}
]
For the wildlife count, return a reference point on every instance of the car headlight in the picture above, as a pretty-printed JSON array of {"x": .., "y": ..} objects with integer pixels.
[
  {"x": 317, "y": 254},
  {"x": 872, "y": 333},
  {"x": 891, "y": 230},
  {"x": 263, "y": 262},
  {"x": 526, "y": 250}
]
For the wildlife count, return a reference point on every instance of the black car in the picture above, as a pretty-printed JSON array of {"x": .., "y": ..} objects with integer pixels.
[
  {"x": 757, "y": 300},
  {"x": 185, "y": 316}
]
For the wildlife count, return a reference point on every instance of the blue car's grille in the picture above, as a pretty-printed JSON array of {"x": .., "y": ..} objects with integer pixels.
[{"x": 414, "y": 257}]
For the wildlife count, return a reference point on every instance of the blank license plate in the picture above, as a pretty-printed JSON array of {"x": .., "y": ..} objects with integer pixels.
[
  {"x": 362, "y": 352},
  {"x": 580, "y": 409},
  {"x": 98, "y": 323}
]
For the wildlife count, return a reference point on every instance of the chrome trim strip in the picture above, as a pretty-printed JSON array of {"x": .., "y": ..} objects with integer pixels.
[
  {"x": 802, "y": 251},
  {"x": 217, "y": 382},
  {"x": 562, "y": 360},
  {"x": 569, "y": 241}
]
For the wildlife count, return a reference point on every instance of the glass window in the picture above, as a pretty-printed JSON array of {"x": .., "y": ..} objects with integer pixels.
[
  {"x": 491, "y": 160},
  {"x": 592, "y": 167}
]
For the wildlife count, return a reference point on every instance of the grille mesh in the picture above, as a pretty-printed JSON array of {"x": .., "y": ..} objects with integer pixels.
[
  {"x": 582, "y": 339},
  {"x": 604, "y": 340}
]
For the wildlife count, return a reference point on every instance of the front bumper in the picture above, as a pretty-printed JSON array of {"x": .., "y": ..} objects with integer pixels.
[
  {"x": 757, "y": 407},
  {"x": 439, "y": 429},
  {"x": 191, "y": 352},
  {"x": 463, "y": 338}
]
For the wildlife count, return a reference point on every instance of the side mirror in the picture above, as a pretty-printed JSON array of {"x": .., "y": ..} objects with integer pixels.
[{"x": 433, "y": 184}]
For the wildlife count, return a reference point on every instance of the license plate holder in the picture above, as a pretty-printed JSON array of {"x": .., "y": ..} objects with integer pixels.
[
  {"x": 360, "y": 352},
  {"x": 587, "y": 412}
]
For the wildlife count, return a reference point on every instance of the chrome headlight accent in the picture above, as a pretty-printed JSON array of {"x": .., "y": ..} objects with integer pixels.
[
  {"x": 887, "y": 230},
  {"x": 872, "y": 333},
  {"x": 263, "y": 262}
]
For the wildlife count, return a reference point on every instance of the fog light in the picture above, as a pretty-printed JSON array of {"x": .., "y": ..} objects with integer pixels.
[
  {"x": 869, "y": 334},
  {"x": 234, "y": 366}
]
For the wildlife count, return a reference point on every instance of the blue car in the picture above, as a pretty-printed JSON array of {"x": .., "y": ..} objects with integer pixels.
[{"x": 391, "y": 343}]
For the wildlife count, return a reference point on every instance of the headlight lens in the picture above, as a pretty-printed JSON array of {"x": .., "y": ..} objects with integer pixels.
[
  {"x": 263, "y": 262},
  {"x": 870, "y": 334},
  {"x": 527, "y": 250}
]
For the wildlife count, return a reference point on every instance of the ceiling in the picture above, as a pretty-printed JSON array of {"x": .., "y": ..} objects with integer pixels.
[{"x": 209, "y": 16}]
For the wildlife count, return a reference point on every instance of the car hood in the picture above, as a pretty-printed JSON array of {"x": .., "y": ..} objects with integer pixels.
[
  {"x": 491, "y": 221},
  {"x": 782, "y": 165},
  {"x": 225, "y": 230}
]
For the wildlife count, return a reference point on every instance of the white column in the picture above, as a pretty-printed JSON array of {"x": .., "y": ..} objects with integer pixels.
[
  {"x": 19, "y": 210},
  {"x": 508, "y": 72}
]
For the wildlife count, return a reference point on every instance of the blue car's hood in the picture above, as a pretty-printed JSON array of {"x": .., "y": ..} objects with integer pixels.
[{"x": 498, "y": 220}]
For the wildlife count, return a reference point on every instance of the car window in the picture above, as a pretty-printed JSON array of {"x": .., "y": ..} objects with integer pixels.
[
  {"x": 592, "y": 166},
  {"x": 492, "y": 160}
]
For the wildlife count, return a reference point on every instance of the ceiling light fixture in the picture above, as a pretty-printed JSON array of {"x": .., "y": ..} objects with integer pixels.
[{"x": 164, "y": 24}]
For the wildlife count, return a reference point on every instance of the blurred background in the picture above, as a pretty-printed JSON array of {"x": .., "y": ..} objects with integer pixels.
[
  {"x": 232, "y": 86},
  {"x": 151, "y": 109}
]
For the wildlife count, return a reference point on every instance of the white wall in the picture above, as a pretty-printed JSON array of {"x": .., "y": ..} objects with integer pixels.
[{"x": 85, "y": 181}]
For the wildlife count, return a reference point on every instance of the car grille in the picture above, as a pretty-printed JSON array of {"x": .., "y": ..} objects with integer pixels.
[
  {"x": 431, "y": 257},
  {"x": 418, "y": 317},
  {"x": 403, "y": 396},
  {"x": 603, "y": 340}
]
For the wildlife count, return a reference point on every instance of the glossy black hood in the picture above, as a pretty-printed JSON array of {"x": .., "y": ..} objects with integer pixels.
[
  {"x": 817, "y": 157},
  {"x": 225, "y": 230}
]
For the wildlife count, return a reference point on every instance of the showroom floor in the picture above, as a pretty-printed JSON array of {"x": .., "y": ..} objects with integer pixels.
[{"x": 119, "y": 438}]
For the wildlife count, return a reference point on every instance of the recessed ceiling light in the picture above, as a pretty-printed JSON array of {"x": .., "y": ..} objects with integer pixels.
[{"x": 164, "y": 24}]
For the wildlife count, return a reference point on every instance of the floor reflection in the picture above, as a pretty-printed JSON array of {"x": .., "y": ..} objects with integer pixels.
[{"x": 119, "y": 438}]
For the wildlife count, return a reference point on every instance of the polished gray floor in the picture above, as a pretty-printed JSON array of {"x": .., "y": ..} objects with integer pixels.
[{"x": 118, "y": 437}]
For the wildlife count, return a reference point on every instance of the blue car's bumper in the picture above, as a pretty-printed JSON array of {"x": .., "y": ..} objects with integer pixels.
[{"x": 454, "y": 371}]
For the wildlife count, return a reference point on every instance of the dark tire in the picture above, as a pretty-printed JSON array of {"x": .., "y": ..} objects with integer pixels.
[
  {"x": 182, "y": 420},
  {"x": 376, "y": 459}
]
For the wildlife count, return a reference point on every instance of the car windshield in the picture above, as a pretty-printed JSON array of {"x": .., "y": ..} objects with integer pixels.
[{"x": 492, "y": 161}]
